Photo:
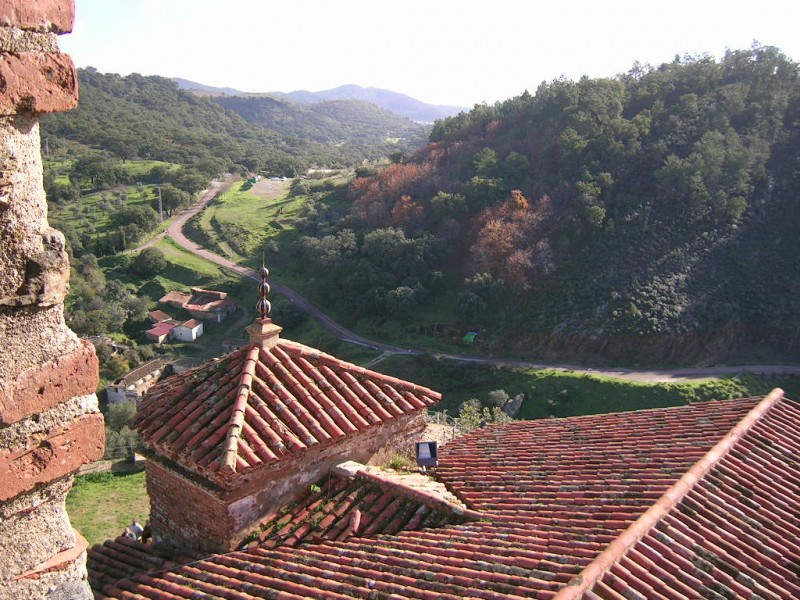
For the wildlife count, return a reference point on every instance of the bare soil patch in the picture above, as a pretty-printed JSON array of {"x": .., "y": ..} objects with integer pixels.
[{"x": 270, "y": 189}]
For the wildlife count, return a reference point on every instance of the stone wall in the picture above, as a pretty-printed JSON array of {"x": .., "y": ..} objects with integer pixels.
[
  {"x": 49, "y": 419},
  {"x": 219, "y": 521}
]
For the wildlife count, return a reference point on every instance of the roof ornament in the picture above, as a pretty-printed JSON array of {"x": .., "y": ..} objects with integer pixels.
[
  {"x": 263, "y": 332},
  {"x": 263, "y": 306}
]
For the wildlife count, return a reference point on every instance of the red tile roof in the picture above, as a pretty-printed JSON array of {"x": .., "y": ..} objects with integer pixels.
[
  {"x": 367, "y": 504},
  {"x": 176, "y": 299},
  {"x": 123, "y": 557},
  {"x": 157, "y": 316},
  {"x": 728, "y": 529},
  {"x": 558, "y": 498},
  {"x": 256, "y": 406},
  {"x": 190, "y": 324},
  {"x": 160, "y": 329}
]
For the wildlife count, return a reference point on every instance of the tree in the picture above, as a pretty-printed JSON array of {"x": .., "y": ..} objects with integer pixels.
[
  {"x": 445, "y": 205},
  {"x": 149, "y": 262},
  {"x": 94, "y": 170},
  {"x": 401, "y": 302},
  {"x": 486, "y": 163},
  {"x": 133, "y": 222},
  {"x": 172, "y": 198},
  {"x": 472, "y": 415},
  {"x": 498, "y": 398},
  {"x": 120, "y": 414}
]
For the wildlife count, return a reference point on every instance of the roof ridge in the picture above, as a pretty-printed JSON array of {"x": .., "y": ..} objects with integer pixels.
[
  {"x": 236, "y": 424},
  {"x": 422, "y": 496},
  {"x": 625, "y": 541},
  {"x": 308, "y": 352}
]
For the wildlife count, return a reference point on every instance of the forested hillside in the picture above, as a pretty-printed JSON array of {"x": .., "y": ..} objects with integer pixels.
[
  {"x": 150, "y": 118},
  {"x": 650, "y": 216},
  {"x": 332, "y": 122}
]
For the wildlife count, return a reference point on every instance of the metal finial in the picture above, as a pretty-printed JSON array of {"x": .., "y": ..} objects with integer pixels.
[{"x": 263, "y": 306}]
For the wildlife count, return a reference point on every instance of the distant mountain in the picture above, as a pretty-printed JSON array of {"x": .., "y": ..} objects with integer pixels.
[
  {"x": 209, "y": 90},
  {"x": 397, "y": 103},
  {"x": 400, "y": 104}
]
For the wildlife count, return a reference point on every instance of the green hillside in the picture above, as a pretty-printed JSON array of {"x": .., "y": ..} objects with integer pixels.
[
  {"x": 137, "y": 117},
  {"x": 645, "y": 218},
  {"x": 335, "y": 122}
]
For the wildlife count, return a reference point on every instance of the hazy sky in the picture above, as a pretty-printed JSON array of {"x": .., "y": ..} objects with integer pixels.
[{"x": 439, "y": 51}]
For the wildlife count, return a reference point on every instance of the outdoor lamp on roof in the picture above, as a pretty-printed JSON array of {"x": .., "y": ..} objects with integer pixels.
[{"x": 427, "y": 455}]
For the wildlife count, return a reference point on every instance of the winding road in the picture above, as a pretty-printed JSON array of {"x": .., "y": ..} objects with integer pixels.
[{"x": 175, "y": 231}]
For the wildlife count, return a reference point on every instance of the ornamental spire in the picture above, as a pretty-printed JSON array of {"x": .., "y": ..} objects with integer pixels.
[
  {"x": 263, "y": 306},
  {"x": 263, "y": 332}
]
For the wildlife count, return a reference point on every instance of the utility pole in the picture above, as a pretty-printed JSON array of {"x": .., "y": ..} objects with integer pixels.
[{"x": 160, "y": 207}]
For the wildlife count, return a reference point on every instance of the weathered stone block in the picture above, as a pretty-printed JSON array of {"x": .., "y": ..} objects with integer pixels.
[
  {"x": 17, "y": 41},
  {"x": 38, "y": 388},
  {"x": 82, "y": 441},
  {"x": 67, "y": 583},
  {"x": 35, "y": 82},
  {"x": 32, "y": 336},
  {"x": 39, "y": 15},
  {"x": 34, "y": 527},
  {"x": 23, "y": 207},
  {"x": 46, "y": 277}
]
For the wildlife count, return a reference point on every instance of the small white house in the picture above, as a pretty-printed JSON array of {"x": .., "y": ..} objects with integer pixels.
[{"x": 188, "y": 331}]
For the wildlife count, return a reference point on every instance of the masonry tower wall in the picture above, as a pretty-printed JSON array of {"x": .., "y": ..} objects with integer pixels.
[{"x": 49, "y": 419}]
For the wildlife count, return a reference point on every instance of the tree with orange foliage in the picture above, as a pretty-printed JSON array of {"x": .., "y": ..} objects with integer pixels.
[
  {"x": 509, "y": 240},
  {"x": 406, "y": 212},
  {"x": 374, "y": 198}
]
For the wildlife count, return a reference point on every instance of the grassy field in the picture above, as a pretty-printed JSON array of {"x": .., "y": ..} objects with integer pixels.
[
  {"x": 237, "y": 223},
  {"x": 101, "y": 505}
]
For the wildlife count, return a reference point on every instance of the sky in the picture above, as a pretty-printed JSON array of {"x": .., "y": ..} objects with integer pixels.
[{"x": 448, "y": 52}]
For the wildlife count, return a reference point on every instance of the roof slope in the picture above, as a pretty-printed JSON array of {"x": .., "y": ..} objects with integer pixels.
[
  {"x": 365, "y": 505},
  {"x": 735, "y": 532},
  {"x": 557, "y": 496},
  {"x": 256, "y": 406},
  {"x": 123, "y": 557}
]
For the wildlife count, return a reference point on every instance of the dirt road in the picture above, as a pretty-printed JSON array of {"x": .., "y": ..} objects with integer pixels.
[{"x": 175, "y": 231}]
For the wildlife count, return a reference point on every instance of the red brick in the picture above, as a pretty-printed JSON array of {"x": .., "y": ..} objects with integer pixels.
[
  {"x": 42, "y": 387},
  {"x": 82, "y": 441},
  {"x": 39, "y": 15},
  {"x": 36, "y": 82}
]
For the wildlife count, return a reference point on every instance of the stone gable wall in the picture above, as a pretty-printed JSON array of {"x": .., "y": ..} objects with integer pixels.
[
  {"x": 49, "y": 419},
  {"x": 186, "y": 515}
]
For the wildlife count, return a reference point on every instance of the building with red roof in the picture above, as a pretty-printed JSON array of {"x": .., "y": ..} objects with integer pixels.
[
  {"x": 160, "y": 332},
  {"x": 245, "y": 434},
  {"x": 188, "y": 331},
  {"x": 253, "y": 486},
  {"x": 698, "y": 501},
  {"x": 206, "y": 305}
]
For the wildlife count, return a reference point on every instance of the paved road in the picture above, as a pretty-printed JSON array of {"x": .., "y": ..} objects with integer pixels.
[{"x": 175, "y": 231}]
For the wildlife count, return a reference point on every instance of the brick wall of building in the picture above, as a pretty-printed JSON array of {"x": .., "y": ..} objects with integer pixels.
[
  {"x": 49, "y": 419},
  {"x": 187, "y": 514}
]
